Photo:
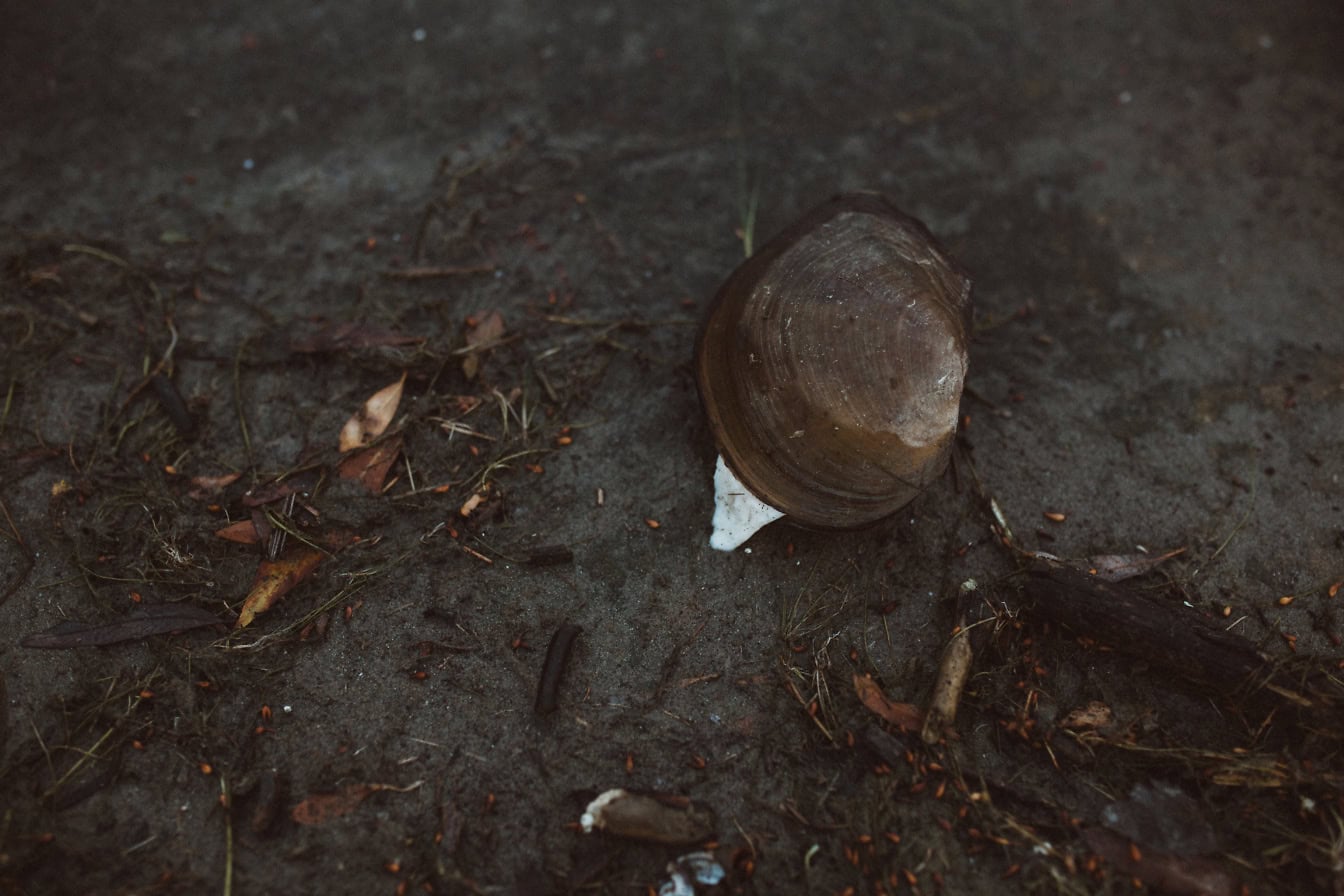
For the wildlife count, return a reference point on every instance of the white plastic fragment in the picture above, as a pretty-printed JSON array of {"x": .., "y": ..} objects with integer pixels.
[
  {"x": 677, "y": 886},
  {"x": 738, "y": 514},
  {"x": 592, "y": 816},
  {"x": 691, "y": 869}
]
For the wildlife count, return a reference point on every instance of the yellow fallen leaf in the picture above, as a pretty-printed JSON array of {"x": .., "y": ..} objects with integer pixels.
[
  {"x": 373, "y": 418},
  {"x": 275, "y": 579}
]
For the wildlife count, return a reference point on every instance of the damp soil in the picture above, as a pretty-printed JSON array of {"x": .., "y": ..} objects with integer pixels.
[{"x": 223, "y": 229}]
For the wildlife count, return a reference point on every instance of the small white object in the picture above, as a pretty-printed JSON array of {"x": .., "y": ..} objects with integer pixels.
[
  {"x": 691, "y": 869},
  {"x": 418, "y": 35},
  {"x": 248, "y": 164},
  {"x": 677, "y": 886},
  {"x": 738, "y": 514},
  {"x": 592, "y": 816}
]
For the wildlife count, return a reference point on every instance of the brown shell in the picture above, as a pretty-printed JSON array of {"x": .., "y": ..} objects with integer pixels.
[{"x": 831, "y": 363}]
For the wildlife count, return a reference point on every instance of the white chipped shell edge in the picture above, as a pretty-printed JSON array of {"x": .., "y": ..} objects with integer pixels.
[{"x": 738, "y": 514}]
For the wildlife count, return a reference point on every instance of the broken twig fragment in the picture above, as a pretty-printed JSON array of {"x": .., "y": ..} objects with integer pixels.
[
  {"x": 1161, "y": 632},
  {"x": 553, "y": 670},
  {"x": 549, "y": 555},
  {"x": 953, "y": 671}
]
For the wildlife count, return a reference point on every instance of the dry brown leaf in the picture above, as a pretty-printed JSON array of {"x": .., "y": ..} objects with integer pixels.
[
  {"x": 488, "y": 330},
  {"x": 275, "y": 579},
  {"x": 1118, "y": 567},
  {"x": 323, "y": 807},
  {"x": 208, "y": 486},
  {"x": 373, "y": 418},
  {"x": 142, "y": 622},
  {"x": 903, "y": 715},
  {"x": 1094, "y": 715},
  {"x": 371, "y": 465},
  {"x": 243, "y": 532}
]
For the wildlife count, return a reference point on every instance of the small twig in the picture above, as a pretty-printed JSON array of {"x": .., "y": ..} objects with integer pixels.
[
  {"x": 30, "y": 559},
  {"x": 227, "y": 802},
  {"x": 953, "y": 671},
  {"x": 238, "y": 402},
  {"x": 276, "y": 543},
  {"x": 97, "y": 253},
  {"x": 434, "y": 273},
  {"x": 632, "y": 322}
]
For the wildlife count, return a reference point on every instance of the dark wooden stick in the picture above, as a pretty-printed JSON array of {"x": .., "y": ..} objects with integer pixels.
[
  {"x": 1165, "y": 634},
  {"x": 557, "y": 657},
  {"x": 1196, "y": 651}
]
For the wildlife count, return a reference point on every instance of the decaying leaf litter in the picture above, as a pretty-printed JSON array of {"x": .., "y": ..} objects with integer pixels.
[{"x": 1044, "y": 776}]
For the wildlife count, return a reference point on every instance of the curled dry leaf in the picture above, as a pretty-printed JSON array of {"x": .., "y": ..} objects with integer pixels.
[
  {"x": 371, "y": 465},
  {"x": 275, "y": 579},
  {"x": 203, "y": 487},
  {"x": 903, "y": 715},
  {"x": 1118, "y": 567},
  {"x": 488, "y": 330},
  {"x": 373, "y": 418},
  {"x": 243, "y": 532}
]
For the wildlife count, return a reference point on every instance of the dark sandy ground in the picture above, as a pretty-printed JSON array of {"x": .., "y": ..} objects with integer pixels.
[{"x": 1148, "y": 197}]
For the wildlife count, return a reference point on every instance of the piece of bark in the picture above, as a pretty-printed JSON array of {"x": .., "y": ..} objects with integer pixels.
[
  {"x": 953, "y": 671},
  {"x": 1195, "y": 651},
  {"x": 1172, "y": 636},
  {"x": 553, "y": 669}
]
